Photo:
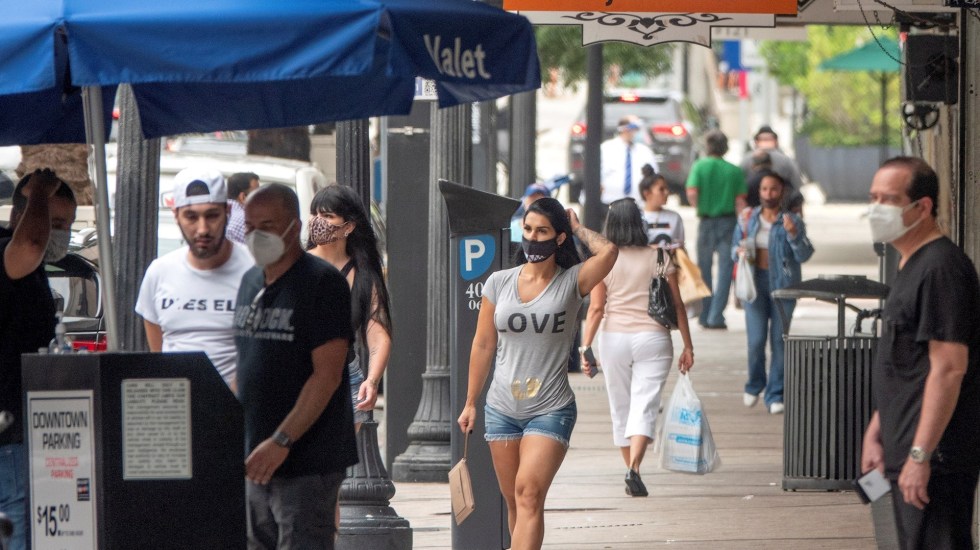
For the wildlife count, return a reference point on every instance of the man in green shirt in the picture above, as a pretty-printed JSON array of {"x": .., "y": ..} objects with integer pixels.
[{"x": 717, "y": 189}]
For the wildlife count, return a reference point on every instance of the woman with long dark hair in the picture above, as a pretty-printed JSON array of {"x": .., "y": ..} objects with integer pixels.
[
  {"x": 340, "y": 233},
  {"x": 527, "y": 324},
  {"x": 636, "y": 352},
  {"x": 776, "y": 243}
]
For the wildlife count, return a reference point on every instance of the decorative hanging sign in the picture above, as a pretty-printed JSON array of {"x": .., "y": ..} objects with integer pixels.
[
  {"x": 648, "y": 29},
  {"x": 778, "y": 7}
]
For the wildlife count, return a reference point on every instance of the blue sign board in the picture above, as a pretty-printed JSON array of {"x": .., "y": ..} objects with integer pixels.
[{"x": 476, "y": 254}]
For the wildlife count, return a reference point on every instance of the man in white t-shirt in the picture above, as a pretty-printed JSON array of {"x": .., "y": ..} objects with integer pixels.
[
  {"x": 187, "y": 299},
  {"x": 621, "y": 162}
]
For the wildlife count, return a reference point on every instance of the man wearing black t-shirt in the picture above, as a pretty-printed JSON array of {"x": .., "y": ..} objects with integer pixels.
[
  {"x": 41, "y": 217},
  {"x": 925, "y": 433},
  {"x": 292, "y": 331}
]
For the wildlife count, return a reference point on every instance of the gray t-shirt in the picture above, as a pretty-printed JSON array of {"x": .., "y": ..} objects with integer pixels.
[{"x": 533, "y": 340}]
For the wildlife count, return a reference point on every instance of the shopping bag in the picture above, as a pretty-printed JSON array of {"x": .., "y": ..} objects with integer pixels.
[
  {"x": 686, "y": 444},
  {"x": 461, "y": 487},
  {"x": 689, "y": 280},
  {"x": 744, "y": 279}
]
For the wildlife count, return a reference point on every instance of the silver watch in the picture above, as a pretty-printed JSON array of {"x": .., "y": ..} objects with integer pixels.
[
  {"x": 282, "y": 439},
  {"x": 919, "y": 455}
]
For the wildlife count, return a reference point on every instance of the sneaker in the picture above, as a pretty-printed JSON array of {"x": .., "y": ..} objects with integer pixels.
[
  {"x": 776, "y": 408},
  {"x": 634, "y": 485},
  {"x": 749, "y": 400}
]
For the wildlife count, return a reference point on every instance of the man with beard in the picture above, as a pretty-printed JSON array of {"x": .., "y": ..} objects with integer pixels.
[{"x": 187, "y": 299}]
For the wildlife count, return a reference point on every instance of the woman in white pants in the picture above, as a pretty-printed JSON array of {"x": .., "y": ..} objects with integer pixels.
[{"x": 635, "y": 351}]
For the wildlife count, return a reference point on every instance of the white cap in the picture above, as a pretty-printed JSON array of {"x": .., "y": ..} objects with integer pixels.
[{"x": 199, "y": 186}]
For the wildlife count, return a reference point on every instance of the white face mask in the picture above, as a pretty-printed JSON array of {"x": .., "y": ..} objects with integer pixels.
[
  {"x": 266, "y": 247},
  {"x": 57, "y": 247},
  {"x": 886, "y": 221}
]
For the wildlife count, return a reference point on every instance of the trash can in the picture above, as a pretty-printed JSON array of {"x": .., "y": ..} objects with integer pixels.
[{"x": 827, "y": 388}]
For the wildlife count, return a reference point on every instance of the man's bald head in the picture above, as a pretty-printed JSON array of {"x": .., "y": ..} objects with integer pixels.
[{"x": 279, "y": 194}]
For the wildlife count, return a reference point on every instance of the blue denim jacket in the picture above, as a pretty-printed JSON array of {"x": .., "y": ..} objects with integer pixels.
[{"x": 785, "y": 253}]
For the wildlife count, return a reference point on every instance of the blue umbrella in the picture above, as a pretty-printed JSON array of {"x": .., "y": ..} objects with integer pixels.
[
  {"x": 202, "y": 65},
  {"x": 233, "y": 64}
]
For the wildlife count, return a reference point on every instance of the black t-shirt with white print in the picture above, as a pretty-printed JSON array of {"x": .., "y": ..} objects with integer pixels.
[
  {"x": 301, "y": 310},
  {"x": 935, "y": 296}
]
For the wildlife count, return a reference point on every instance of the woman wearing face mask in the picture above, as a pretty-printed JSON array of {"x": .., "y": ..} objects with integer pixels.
[
  {"x": 341, "y": 234},
  {"x": 776, "y": 242},
  {"x": 663, "y": 225},
  {"x": 636, "y": 351},
  {"x": 527, "y": 324}
]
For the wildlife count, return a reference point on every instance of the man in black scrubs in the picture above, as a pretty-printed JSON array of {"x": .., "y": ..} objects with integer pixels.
[
  {"x": 925, "y": 432},
  {"x": 41, "y": 217}
]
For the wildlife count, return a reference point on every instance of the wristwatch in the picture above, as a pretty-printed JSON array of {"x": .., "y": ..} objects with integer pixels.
[
  {"x": 919, "y": 455},
  {"x": 282, "y": 439},
  {"x": 582, "y": 349}
]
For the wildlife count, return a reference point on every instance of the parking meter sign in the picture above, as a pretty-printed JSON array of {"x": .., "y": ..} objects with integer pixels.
[{"x": 476, "y": 255}]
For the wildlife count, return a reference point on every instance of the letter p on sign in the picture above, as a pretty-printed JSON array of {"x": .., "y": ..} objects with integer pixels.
[{"x": 475, "y": 255}]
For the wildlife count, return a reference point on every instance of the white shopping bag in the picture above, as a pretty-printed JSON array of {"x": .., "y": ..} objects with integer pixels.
[
  {"x": 744, "y": 280},
  {"x": 686, "y": 444}
]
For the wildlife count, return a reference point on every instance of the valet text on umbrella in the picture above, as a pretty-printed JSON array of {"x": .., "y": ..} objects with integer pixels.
[{"x": 455, "y": 60}]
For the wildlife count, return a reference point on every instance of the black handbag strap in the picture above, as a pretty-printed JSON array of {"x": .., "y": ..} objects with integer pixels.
[
  {"x": 466, "y": 444},
  {"x": 661, "y": 265}
]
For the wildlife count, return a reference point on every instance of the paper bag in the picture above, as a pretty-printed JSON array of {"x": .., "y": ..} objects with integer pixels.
[
  {"x": 689, "y": 279},
  {"x": 461, "y": 488}
]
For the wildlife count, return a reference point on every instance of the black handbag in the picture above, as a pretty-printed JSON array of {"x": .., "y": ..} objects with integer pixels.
[{"x": 661, "y": 305}]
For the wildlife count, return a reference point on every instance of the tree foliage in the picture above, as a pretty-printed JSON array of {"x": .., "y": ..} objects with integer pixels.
[
  {"x": 560, "y": 46},
  {"x": 842, "y": 108}
]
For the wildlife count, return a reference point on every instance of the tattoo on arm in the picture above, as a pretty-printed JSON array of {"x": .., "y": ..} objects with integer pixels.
[{"x": 594, "y": 241}]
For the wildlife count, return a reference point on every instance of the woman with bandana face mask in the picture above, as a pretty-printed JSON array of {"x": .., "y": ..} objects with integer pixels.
[
  {"x": 526, "y": 326},
  {"x": 341, "y": 234},
  {"x": 776, "y": 242}
]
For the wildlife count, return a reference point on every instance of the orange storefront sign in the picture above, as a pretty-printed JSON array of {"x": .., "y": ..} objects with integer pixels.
[{"x": 779, "y": 7}]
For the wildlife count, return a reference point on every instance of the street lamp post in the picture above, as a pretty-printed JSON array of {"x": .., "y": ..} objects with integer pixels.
[
  {"x": 428, "y": 456},
  {"x": 367, "y": 521}
]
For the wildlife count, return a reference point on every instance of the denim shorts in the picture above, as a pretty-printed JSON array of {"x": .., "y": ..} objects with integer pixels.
[{"x": 555, "y": 424}]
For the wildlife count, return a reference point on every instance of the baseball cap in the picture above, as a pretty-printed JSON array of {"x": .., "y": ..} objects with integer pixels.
[
  {"x": 538, "y": 188},
  {"x": 628, "y": 123},
  {"x": 199, "y": 186}
]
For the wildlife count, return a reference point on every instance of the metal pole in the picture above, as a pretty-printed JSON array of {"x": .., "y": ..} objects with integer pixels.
[
  {"x": 523, "y": 130},
  {"x": 137, "y": 198},
  {"x": 428, "y": 455},
  {"x": 367, "y": 522},
  {"x": 95, "y": 136},
  {"x": 593, "y": 138},
  {"x": 354, "y": 158},
  {"x": 883, "y": 154}
]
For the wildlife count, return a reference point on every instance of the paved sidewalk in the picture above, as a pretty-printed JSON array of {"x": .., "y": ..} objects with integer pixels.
[{"x": 741, "y": 505}]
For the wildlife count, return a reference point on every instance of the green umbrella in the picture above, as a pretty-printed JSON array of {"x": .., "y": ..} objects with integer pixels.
[{"x": 882, "y": 56}]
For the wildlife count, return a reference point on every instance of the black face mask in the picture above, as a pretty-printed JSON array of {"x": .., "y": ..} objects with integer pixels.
[{"x": 539, "y": 251}]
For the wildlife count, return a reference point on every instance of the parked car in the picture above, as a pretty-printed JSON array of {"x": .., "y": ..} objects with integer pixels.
[
  {"x": 671, "y": 132},
  {"x": 77, "y": 289}
]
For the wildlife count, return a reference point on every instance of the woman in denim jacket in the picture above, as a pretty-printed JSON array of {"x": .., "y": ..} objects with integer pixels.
[{"x": 776, "y": 244}]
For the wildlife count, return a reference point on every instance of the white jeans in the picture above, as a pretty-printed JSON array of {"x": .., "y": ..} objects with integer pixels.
[{"x": 635, "y": 365}]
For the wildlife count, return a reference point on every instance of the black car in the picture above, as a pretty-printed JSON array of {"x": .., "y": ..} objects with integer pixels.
[
  {"x": 77, "y": 289},
  {"x": 669, "y": 132}
]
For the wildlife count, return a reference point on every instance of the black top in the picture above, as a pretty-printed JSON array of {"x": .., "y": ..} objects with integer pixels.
[
  {"x": 302, "y": 310},
  {"x": 26, "y": 324},
  {"x": 4, "y": 233},
  {"x": 934, "y": 297}
]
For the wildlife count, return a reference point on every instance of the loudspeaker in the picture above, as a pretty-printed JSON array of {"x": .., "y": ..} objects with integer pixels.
[{"x": 932, "y": 73}]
